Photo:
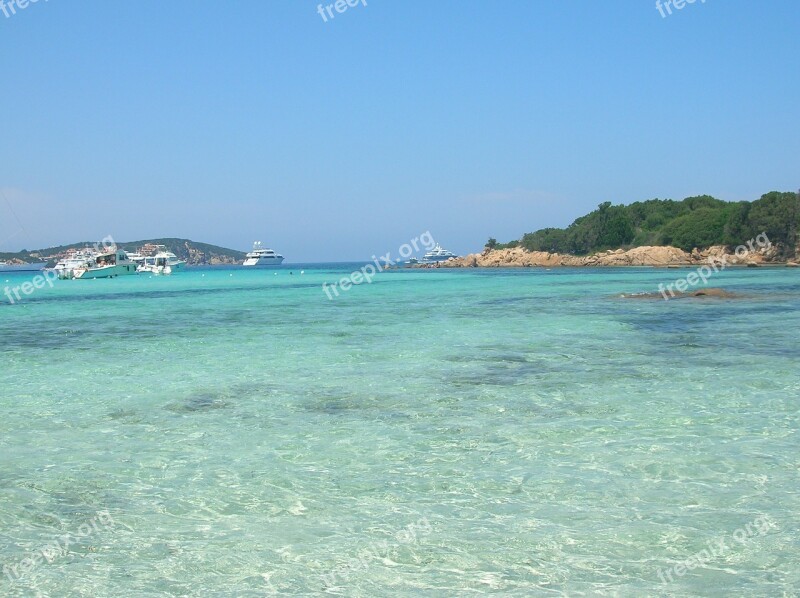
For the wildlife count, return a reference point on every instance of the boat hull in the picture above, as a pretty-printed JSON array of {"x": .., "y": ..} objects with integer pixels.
[
  {"x": 107, "y": 272},
  {"x": 158, "y": 270},
  {"x": 37, "y": 267},
  {"x": 263, "y": 261}
]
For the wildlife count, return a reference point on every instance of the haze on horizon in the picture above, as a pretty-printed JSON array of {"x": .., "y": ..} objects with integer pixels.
[{"x": 342, "y": 139}]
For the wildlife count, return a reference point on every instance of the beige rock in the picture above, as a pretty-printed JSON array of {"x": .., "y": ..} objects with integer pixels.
[
  {"x": 654, "y": 256},
  {"x": 714, "y": 293}
]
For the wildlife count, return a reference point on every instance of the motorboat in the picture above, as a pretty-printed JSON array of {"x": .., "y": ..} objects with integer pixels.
[
  {"x": 78, "y": 260},
  {"x": 262, "y": 257},
  {"x": 163, "y": 262},
  {"x": 109, "y": 264},
  {"x": 35, "y": 267},
  {"x": 168, "y": 260},
  {"x": 136, "y": 257}
]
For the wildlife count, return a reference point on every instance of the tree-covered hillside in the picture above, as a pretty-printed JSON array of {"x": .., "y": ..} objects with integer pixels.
[
  {"x": 695, "y": 222},
  {"x": 192, "y": 252}
]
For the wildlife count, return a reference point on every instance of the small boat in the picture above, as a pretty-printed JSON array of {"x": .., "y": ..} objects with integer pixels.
[
  {"x": 35, "y": 267},
  {"x": 106, "y": 265},
  {"x": 169, "y": 261},
  {"x": 163, "y": 262},
  {"x": 262, "y": 257}
]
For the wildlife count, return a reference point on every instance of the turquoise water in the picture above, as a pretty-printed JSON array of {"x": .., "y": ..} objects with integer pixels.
[{"x": 233, "y": 432}]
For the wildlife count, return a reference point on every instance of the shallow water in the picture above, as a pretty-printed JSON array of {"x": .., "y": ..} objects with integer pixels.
[{"x": 232, "y": 432}]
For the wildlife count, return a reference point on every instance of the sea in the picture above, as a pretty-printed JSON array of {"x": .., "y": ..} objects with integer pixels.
[{"x": 234, "y": 431}]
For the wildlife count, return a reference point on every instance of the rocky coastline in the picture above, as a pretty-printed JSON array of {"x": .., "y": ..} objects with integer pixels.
[{"x": 648, "y": 256}]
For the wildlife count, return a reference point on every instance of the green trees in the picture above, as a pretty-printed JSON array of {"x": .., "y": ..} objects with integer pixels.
[
  {"x": 608, "y": 226},
  {"x": 553, "y": 240},
  {"x": 700, "y": 221},
  {"x": 776, "y": 214},
  {"x": 700, "y": 228},
  {"x": 737, "y": 225},
  {"x": 614, "y": 226}
]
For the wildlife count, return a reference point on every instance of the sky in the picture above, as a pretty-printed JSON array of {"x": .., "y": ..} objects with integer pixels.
[{"x": 334, "y": 139}]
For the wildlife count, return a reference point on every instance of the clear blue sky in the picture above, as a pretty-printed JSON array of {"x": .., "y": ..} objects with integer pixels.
[{"x": 233, "y": 121}]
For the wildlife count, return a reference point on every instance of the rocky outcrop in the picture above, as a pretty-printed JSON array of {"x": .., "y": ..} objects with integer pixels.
[
  {"x": 712, "y": 293},
  {"x": 638, "y": 256}
]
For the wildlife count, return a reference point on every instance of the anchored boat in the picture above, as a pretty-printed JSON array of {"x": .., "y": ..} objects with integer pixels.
[
  {"x": 36, "y": 267},
  {"x": 163, "y": 262},
  {"x": 262, "y": 257},
  {"x": 106, "y": 265}
]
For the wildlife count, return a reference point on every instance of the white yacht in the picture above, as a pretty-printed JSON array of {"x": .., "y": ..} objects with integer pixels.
[
  {"x": 167, "y": 259},
  {"x": 136, "y": 257},
  {"x": 163, "y": 262},
  {"x": 6, "y": 267},
  {"x": 437, "y": 254},
  {"x": 262, "y": 257},
  {"x": 106, "y": 265}
]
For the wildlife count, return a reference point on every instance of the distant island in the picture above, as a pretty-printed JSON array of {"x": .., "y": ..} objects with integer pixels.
[
  {"x": 193, "y": 253},
  {"x": 655, "y": 232}
]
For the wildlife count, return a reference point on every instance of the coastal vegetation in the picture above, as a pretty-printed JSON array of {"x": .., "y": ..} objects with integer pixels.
[
  {"x": 192, "y": 252},
  {"x": 695, "y": 222}
]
